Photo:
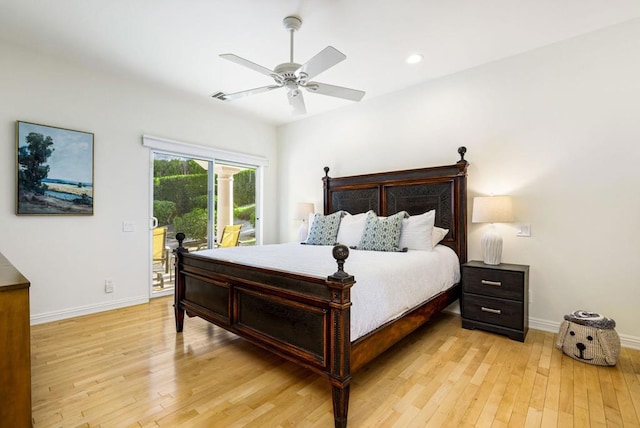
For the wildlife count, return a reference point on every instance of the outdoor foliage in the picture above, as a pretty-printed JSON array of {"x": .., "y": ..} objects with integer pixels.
[
  {"x": 168, "y": 167},
  {"x": 244, "y": 187},
  {"x": 181, "y": 196},
  {"x": 183, "y": 190},
  {"x": 31, "y": 161},
  {"x": 193, "y": 224},
  {"x": 200, "y": 202},
  {"x": 247, "y": 212},
  {"x": 164, "y": 211}
]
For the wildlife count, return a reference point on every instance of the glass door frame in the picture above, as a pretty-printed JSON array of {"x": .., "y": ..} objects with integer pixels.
[{"x": 177, "y": 148}]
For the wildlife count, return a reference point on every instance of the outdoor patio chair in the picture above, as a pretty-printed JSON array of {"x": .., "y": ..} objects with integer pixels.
[
  {"x": 160, "y": 253},
  {"x": 230, "y": 236}
]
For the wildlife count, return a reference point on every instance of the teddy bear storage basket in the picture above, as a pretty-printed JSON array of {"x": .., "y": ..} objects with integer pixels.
[{"x": 589, "y": 337}]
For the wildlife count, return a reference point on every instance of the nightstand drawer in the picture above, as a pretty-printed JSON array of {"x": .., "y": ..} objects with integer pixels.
[
  {"x": 492, "y": 282},
  {"x": 506, "y": 313}
]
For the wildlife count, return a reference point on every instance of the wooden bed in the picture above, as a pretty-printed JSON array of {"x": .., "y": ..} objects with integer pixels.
[{"x": 270, "y": 308}]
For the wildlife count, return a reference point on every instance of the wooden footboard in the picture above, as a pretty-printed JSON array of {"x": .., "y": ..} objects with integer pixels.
[{"x": 303, "y": 319}]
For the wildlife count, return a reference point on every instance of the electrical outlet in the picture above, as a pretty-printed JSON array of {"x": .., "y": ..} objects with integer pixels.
[
  {"x": 108, "y": 286},
  {"x": 128, "y": 226}
]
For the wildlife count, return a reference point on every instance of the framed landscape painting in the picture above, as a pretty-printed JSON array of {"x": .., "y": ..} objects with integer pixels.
[{"x": 54, "y": 169}]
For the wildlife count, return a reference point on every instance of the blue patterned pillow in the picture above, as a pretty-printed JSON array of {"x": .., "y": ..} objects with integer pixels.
[
  {"x": 382, "y": 233},
  {"x": 324, "y": 229}
]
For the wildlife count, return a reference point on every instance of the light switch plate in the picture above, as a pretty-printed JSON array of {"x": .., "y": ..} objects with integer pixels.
[
  {"x": 128, "y": 226},
  {"x": 523, "y": 230}
]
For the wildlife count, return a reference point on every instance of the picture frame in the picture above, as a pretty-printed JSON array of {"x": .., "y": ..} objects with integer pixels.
[{"x": 54, "y": 170}]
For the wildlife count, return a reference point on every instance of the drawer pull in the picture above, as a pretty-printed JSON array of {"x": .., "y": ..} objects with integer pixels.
[
  {"x": 494, "y": 283},
  {"x": 491, "y": 311}
]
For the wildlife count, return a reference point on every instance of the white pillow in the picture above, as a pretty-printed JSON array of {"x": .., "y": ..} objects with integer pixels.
[
  {"x": 438, "y": 235},
  {"x": 351, "y": 228},
  {"x": 417, "y": 231}
]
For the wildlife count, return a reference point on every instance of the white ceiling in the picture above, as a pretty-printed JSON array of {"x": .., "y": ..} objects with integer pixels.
[{"x": 176, "y": 43}]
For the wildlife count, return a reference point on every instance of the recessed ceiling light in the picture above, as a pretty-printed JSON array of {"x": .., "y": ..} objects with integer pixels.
[{"x": 414, "y": 59}]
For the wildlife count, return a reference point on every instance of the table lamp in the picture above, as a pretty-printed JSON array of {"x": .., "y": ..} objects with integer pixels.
[
  {"x": 492, "y": 209},
  {"x": 303, "y": 209}
]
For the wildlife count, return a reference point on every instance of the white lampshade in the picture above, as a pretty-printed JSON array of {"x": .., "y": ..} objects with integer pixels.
[
  {"x": 492, "y": 209},
  {"x": 303, "y": 209}
]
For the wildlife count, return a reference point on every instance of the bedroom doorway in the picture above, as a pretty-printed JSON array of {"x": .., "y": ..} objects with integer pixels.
[{"x": 198, "y": 191}]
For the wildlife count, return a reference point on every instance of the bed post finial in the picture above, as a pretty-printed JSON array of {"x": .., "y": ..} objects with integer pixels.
[
  {"x": 180, "y": 237},
  {"x": 340, "y": 253},
  {"x": 326, "y": 171},
  {"x": 461, "y": 151}
]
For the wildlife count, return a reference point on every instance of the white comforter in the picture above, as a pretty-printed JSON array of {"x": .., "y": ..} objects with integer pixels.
[{"x": 387, "y": 284}]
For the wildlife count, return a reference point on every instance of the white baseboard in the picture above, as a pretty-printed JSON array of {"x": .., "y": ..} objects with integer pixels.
[
  {"x": 630, "y": 342},
  {"x": 544, "y": 325},
  {"x": 86, "y": 310}
]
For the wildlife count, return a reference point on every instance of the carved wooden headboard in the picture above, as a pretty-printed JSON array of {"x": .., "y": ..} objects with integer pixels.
[{"x": 440, "y": 188}]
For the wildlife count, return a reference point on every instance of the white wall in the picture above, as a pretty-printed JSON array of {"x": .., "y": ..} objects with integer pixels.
[
  {"x": 557, "y": 128},
  {"x": 67, "y": 258}
]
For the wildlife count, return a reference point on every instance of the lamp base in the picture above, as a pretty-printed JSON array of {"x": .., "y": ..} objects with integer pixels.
[
  {"x": 491, "y": 243},
  {"x": 303, "y": 231}
]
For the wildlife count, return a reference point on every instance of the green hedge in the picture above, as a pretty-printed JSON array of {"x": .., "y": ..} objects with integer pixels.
[
  {"x": 244, "y": 188},
  {"x": 186, "y": 191},
  {"x": 247, "y": 212},
  {"x": 169, "y": 167}
]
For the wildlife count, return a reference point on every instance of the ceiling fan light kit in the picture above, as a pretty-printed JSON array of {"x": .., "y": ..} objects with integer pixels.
[{"x": 293, "y": 76}]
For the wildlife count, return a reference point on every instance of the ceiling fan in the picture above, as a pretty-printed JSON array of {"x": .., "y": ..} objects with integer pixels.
[{"x": 293, "y": 76}]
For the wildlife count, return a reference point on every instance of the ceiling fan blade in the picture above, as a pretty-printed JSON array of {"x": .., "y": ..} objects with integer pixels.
[
  {"x": 248, "y": 64},
  {"x": 334, "y": 91},
  {"x": 296, "y": 100},
  {"x": 325, "y": 59},
  {"x": 242, "y": 94}
]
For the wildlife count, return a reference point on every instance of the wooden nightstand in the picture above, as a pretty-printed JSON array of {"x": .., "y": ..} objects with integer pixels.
[{"x": 495, "y": 298}]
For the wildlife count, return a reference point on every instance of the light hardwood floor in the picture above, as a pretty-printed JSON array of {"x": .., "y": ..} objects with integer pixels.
[{"x": 120, "y": 369}]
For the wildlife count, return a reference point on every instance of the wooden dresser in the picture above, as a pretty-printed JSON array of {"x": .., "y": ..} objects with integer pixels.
[{"x": 15, "y": 348}]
